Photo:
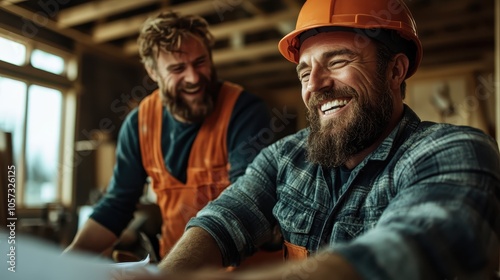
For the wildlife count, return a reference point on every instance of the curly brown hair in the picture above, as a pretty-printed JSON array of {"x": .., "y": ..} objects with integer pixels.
[{"x": 166, "y": 31}]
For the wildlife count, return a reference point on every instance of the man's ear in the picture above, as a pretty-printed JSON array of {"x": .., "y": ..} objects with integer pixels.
[
  {"x": 399, "y": 68},
  {"x": 152, "y": 73}
]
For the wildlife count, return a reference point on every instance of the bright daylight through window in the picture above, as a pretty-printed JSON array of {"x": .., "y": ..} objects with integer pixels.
[{"x": 33, "y": 114}]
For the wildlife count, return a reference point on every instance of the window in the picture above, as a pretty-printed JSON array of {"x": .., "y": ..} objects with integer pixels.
[
  {"x": 47, "y": 61},
  {"x": 12, "y": 52},
  {"x": 38, "y": 109}
]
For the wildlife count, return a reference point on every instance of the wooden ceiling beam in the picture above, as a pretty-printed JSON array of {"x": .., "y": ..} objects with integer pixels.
[
  {"x": 463, "y": 20},
  {"x": 225, "y": 30},
  {"x": 422, "y": 11},
  {"x": 479, "y": 53},
  {"x": 79, "y": 37},
  {"x": 456, "y": 38},
  {"x": 250, "y": 52},
  {"x": 254, "y": 69},
  {"x": 95, "y": 10},
  {"x": 130, "y": 26},
  {"x": 292, "y": 4},
  {"x": 252, "y": 8},
  {"x": 222, "y": 56},
  {"x": 10, "y": 2}
]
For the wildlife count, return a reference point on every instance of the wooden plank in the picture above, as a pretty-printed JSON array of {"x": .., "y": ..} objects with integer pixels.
[
  {"x": 79, "y": 37},
  {"x": 94, "y": 10},
  {"x": 469, "y": 19},
  {"x": 10, "y": 2},
  {"x": 225, "y": 30},
  {"x": 130, "y": 26},
  {"x": 258, "y": 68},
  {"x": 425, "y": 10},
  {"x": 456, "y": 38},
  {"x": 250, "y": 52}
]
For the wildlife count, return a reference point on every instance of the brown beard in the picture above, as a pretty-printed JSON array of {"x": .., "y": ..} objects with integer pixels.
[
  {"x": 332, "y": 144},
  {"x": 176, "y": 105}
]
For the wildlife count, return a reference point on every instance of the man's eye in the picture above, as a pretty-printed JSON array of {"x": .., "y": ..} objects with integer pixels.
[
  {"x": 176, "y": 69},
  {"x": 338, "y": 63},
  {"x": 304, "y": 77},
  {"x": 199, "y": 62}
]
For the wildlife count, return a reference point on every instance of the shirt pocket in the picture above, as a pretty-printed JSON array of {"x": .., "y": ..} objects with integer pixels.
[
  {"x": 350, "y": 228},
  {"x": 295, "y": 219}
]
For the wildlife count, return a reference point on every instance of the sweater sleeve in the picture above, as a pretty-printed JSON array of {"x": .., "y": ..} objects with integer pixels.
[
  {"x": 116, "y": 208},
  {"x": 248, "y": 132}
]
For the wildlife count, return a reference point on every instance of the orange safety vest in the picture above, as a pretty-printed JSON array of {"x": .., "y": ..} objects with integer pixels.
[
  {"x": 207, "y": 170},
  {"x": 294, "y": 252},
  {"x": 208, "y": 164}
]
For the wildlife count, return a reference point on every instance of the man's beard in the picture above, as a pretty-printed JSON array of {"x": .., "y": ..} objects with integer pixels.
[
  {"x": 197, "y": 110},
  {"x": 332, "y": 144}
]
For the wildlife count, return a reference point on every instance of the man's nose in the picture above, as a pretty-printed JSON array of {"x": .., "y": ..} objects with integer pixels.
[
  {"x": 191, "y": 76},
  {"x": 319, "y": 79}
]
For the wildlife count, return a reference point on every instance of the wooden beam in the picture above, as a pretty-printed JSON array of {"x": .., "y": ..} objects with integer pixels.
[
  {"x": 252, "y": 8},
  {"x": 119, "y": 28},
  {"x": 259, "y": 68},
  {"x": 10, "y": 2},
  {"x": 77, "y": 36},
  {"x": 446, "y": 56},
  {"x": 225, "y": 30},
  {"x": 94, "y": 10},
  {"x": 281, "y": 77},
  {"x": 131, "y": 48},
  {"x": 449, "y": 70},
  {"x": 130, "y": 26},
  {"x": 292, "y": 4},
  {"x": 457, "y": 37},
  {"x": 462, "y": 20},
  {"x": 250, "y": 52},
  {"x": 428, "y": 11}
]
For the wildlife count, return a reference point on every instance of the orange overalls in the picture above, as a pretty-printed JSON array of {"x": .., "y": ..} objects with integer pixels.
[{"x": 208, "y": 164}]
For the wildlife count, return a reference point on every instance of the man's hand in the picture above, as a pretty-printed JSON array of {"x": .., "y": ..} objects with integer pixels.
[{"x": 321, "y": 266}]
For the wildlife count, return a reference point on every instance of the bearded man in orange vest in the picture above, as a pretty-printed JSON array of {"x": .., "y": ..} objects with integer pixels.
[{"x": 192, "y": 136}]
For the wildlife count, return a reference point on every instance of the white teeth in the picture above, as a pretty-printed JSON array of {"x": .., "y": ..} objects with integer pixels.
[
  {"x": 335, "y": 104},
  {"x": 191, "y": 90}
]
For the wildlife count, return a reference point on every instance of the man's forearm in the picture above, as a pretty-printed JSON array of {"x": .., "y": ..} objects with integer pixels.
[
  {"x": 194, "y": 250},
  {"x": 93, "y": 237}
]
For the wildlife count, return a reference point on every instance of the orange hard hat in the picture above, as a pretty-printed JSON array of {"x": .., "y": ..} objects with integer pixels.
[{"x": 388, "y": 21}]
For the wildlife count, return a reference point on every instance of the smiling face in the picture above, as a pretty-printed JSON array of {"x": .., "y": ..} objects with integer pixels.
[
  {"x": 350, "y": 101},
  {"x": 186, "y": 79}
]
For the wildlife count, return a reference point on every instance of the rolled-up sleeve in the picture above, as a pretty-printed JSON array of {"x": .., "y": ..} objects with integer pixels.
[{"x": 240, "y": 219}]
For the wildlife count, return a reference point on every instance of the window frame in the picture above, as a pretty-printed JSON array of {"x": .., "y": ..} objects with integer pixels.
[{"x": 67, "y": 84}]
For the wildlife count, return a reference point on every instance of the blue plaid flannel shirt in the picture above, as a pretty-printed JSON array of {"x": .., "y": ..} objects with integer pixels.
[{"x": 423, "y": 205}]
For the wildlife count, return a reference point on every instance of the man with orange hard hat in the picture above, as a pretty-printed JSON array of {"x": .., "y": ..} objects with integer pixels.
[{"x": 368, "y": 191}]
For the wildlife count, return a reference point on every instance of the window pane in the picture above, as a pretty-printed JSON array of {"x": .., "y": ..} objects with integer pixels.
[
  {"x": 12, "y": 111},
  {"x": 12, "y": 52},
  {"x": 47, "y": 61},
  {"x": 43, "y": 136}
]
